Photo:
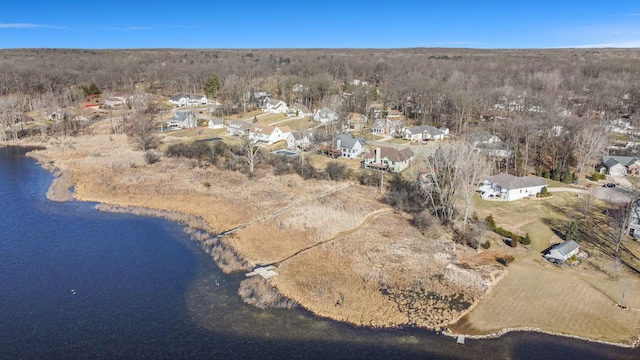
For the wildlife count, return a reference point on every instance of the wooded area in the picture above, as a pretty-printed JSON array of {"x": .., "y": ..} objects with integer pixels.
[{"x": 548, "y": 106}]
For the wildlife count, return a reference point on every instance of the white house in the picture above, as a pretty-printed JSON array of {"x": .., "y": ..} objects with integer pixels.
[
  {"x": 559, "y": 253},
  {"x": 275, "y": 106},
  {"x": 216, "y": 123},
  {"x": 325, "y": 116},
  {"x": 388, "y": 159},
  {"x": 300, "y": 140},
  {"x": 509, "y": 187},
  {"x": 299, "y": 110},
  {"x": 349, "y": 146},
  {"x": 268, "y": 134},
  {"x": 238, "y": 128},
  {"x": 188, "y": 100},
  {"x": 183, "y": 120},
  {"x": 424, "y": 132},
  {"x": 354, "y": 122}
]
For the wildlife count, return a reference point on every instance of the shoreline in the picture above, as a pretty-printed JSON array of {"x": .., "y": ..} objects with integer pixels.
[
  {"x": 60, "y": 190},
  {"x": 505, "y": 331}
]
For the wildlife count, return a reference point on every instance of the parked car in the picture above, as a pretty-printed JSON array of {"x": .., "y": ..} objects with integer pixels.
[{"x": 611, "y": 185}]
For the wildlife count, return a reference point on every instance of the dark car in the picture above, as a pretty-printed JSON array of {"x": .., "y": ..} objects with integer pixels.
[{"x": 609, "y": 185}]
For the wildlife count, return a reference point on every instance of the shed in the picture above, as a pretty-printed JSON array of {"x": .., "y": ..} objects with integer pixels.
[{"x": 563, "y": 251}]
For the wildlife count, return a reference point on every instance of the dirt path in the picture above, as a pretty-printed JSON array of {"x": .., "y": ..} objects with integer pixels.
[
  {"x": 281, "y": 210},
  {"x": 339, "y": 235}
]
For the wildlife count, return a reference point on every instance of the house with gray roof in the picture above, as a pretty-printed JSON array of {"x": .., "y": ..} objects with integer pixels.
[
  {"x": 509, "y": 187},
  {"x": 239, "y": 128},
  {"x": 388, "y": 159},
  {"x": 300, "y": 140},
  {"x": 424, "y": 132},
  {"x": 299, "y": 110},
  {"x": 216, "y": 123},
  {"x": 276, "y": 106},
  {"x": 560, "y": 253},
  {"x": 620, "y": 165},
  {"x": 325, "y": 116},
  {"x": 349, "y": 146},
  {"x": 183, "y": 120}
]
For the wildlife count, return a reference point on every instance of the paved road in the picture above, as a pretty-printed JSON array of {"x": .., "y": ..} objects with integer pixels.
[{"x": 616, "y": 194}]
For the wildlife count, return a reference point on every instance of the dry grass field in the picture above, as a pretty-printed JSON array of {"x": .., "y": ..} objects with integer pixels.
[{"x": 385, "y": 273}]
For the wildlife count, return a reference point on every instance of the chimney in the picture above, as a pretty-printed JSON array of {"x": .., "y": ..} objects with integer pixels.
[{"x": 377, "y": 151}]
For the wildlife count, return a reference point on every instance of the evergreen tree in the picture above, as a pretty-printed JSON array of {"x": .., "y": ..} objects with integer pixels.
[
  {"x": 212, "y": 86},
  {"x": 573, "y": 232}
]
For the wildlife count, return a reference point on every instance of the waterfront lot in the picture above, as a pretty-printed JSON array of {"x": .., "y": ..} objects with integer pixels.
[{"x": 577, "y": 300}]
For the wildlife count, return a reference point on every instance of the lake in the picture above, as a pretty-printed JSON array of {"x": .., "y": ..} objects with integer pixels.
[{"x": 76, "y": 283}]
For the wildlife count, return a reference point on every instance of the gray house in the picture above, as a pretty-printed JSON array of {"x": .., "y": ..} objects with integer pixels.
[
  {"x": 349, "y": 146},
  {"x": 620, "y": 165},
  {"x": 239, "y": 128},
  {"x": 183, "y": 120},
  {"x": 559, "y": 253},
  {"x": 426, "y": 132},
  {"x": 325, "y": 116}
]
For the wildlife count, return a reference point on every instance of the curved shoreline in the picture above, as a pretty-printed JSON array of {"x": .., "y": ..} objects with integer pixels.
[
  {"x": 56, "y": 187},
  {"x": 501, "y": 332}
]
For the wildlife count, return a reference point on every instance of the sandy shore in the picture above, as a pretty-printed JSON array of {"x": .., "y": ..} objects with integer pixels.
[{"x": 339, "y": 253}]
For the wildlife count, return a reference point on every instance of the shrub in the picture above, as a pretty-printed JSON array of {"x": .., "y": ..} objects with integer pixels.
[
  {"x": 206, "y": 184},
  {"x": 546, "y": 174},
  {"x": 196, "y": 150},
  {"x": 514, "y": 242},
  {"x": 505, "y": 259},
  {"x": 543, "y": 193},
  {"x": 368, "y": 178},
  {"x": 526, "y": 240},
  {"x": 336, "y": 171},
  {"x": 596, "y": 176},
  {"x": 423, "y": 220},
  {"x": 151, "y": 157},
  {"x": 486, "y": 245},
  {"x": 491, "y": 224}
]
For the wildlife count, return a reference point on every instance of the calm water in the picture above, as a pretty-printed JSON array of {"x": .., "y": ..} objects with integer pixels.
[{"x": 78, "y": 283}]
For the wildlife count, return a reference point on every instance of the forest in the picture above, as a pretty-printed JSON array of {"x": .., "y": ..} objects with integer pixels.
[{"x": 551, "y": 107}]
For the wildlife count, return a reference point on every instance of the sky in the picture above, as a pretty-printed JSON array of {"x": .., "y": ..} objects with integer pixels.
[{"x": 250, "y": 24}]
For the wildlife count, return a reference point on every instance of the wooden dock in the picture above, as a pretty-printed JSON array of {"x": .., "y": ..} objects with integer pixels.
[{"x": 264, "y": 271}]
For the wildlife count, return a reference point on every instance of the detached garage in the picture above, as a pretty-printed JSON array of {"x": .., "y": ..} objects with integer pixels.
[{"x": 559, "y": 253}]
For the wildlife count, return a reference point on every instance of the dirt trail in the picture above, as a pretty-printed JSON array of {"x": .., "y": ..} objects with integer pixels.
[
  {"x": 281, "y": 210},
  {"x": 339, "y": 235}
]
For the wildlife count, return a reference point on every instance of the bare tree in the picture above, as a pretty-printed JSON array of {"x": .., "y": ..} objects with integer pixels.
[
  {"x": 452, "y": 175},
  {"x": 251, "y": 153},
  {"x": 620, "y": 218},
  {"x": 142, "y": 127},
  {"x": 589, "y": 145}
]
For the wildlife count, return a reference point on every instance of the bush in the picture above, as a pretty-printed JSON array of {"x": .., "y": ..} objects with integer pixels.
[
  {"x": 151, "y": 157},
  {"x": 423, "y": 220},
  {"x": 597, "y": 176},
  {"x": 526, "y": 240},
  {"x": 336, "y": 171},
  {"x": 543, "y": 193},
  {"x": 486, "y": 245},
  {"x": 368, "y": 178},
  {"x": 491, "y": 224},
  {"x": 200, "y": 151},
  {"x": 505, "y": 259}
]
